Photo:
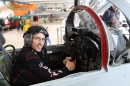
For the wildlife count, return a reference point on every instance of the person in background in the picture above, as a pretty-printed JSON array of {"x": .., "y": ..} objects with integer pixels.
[
  {"x": 48, "y": 38},
  {"x": 21, "y": 24},
  {"x": 17, "y": 24},
  {"x": 26, "y": 26},
  {"x": 32, "y": 66},
  {"x": 10, "y": 25},
  {"x": 111, "y": 16},
  {"x": 13, "y": 24}
]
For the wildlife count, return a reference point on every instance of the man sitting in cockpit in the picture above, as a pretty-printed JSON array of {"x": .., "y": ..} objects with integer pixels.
[{"x": 32, "y": 65}]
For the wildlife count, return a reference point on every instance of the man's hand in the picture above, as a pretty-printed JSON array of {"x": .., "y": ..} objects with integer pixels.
[
  {"x": 67, "y": 58},
  {"x": 71, "y": 65},
  {"x": 114, "y": 21}
]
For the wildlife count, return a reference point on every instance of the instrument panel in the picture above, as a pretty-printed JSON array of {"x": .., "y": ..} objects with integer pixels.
[{"x": 86, "y": 52}]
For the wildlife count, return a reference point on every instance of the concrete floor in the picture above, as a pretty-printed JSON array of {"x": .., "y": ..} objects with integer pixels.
[{"x": 15, "y": 37}]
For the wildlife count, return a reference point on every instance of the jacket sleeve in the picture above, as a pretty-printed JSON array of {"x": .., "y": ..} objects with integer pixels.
[
  {"x": 38, "y": 68},
  {"x": 106, "y": 18},
  {"x": 56, "y": 64}
]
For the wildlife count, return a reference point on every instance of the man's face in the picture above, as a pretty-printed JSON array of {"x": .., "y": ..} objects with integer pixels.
[
  {"x": 38, "y": 41},
  {"x": 114, "y": 7}
]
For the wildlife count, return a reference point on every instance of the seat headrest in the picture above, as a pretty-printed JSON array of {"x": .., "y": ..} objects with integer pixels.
[{"x": 2, "y": 39}]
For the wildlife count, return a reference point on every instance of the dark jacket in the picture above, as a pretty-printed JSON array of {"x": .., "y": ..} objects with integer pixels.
[
  {"x": 109, "y": 15},
  {"x": 30, "y": 68}
]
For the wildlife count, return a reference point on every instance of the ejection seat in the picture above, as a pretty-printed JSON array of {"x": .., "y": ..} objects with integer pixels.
[{"x": 5, "y": 63}]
